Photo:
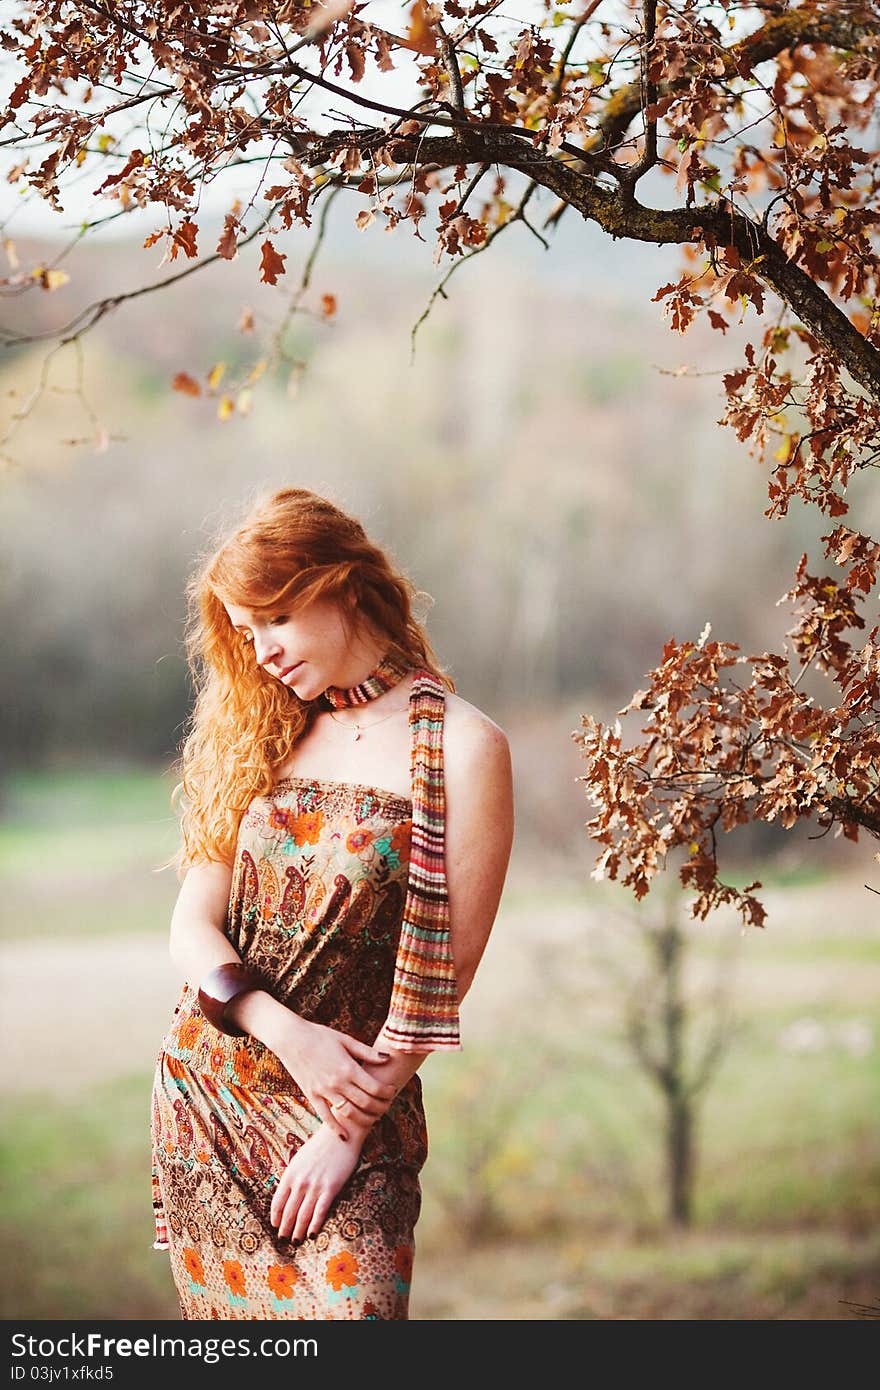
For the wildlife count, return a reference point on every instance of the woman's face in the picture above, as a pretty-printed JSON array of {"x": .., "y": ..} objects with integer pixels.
[{"x": 306, "y": 650}]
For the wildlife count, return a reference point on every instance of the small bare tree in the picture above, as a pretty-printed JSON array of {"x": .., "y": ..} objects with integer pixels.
[{"x": 658, "y": 1015}]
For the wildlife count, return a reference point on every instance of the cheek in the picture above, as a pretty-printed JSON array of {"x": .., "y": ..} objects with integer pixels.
[{"x": 323, "y": 634}]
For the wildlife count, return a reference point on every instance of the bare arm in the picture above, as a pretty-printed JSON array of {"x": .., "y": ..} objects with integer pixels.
[
  {"x": 327, "y": 1064},
  {"x": 479, "y": 837}
]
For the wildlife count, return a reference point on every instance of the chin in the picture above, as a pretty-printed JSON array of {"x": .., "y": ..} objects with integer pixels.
[{"x": 305, "y": 687}]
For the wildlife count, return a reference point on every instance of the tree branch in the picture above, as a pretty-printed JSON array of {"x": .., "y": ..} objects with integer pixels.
[
  {"x": 718, "y": 222},
  {"x": 791, "y": 30},
  {"x": 93, "y": 313},
  {"x": 450, "y": 63},
  {"x": 647, "y": 97}
]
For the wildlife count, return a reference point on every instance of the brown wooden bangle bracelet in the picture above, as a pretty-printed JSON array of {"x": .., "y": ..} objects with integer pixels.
[{"x": 219, "y": 987}]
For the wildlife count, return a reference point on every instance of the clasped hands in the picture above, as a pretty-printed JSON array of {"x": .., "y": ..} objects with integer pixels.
[{"x": 332, "y": 1070}]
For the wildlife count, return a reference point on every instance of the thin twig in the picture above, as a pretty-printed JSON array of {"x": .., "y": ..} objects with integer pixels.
[
  {"x": 440, "y": 289},
  {"x": 648, "y": 96}
]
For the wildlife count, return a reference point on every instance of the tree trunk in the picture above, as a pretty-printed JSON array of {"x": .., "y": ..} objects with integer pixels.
[{"x": 680, "y": 1160}]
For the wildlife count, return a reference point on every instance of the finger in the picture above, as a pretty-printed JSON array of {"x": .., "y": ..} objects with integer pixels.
[
  {"x": 361, "y": 1111},
  {"x": 319, "y": 1215},
  {"x": 365, "y": 1053},
  {"x": 279, "y": 1199},
  {"x": 288, "y": 1215},
  {"x": 375, "y": 1102},
  {"x": 353, "y": 1103},
  {"x": 304, "y": 1216},
  {"x": 360, "y": 1102},
  {"x": 329, "y": 1117},
  {"x": 371, "y": 1084}
]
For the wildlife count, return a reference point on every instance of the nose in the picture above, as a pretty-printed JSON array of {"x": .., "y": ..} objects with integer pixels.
[{"x": 266, "y": 648}]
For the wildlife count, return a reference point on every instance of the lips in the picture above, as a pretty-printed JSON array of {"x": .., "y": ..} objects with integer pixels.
[{"x": 288, "y": 670}]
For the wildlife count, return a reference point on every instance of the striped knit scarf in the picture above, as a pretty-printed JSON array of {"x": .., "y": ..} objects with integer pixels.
[{"x": 423, "y": 1014}]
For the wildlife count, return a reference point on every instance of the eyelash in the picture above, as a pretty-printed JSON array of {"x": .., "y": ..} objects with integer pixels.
[{"x": 248, "y": 637}]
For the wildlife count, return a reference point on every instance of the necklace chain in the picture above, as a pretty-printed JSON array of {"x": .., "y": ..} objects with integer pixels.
[
  {"x": 387, "y": 674},
  {"x": 358, "y": 727}
]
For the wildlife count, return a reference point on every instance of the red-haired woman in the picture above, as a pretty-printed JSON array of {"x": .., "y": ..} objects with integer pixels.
[{"x": 347, "y": 822}]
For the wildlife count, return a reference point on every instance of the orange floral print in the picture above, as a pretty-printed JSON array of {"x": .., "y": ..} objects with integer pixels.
[
  {"x": 403, "y": 1262},
  {"x": 358, "y": 839},
  {"x": 193, "y": 1265},
  {"x": 342, "y": 1269},
  {"x": 245, "y": 1068},
  {"x": 282, "y": 1279},
  {"x": 306, "y": 827},
  {"x": 189, "y": 1032},
  {"x": 401, "y": 837},
  {"x": 234, "y": 1276}
]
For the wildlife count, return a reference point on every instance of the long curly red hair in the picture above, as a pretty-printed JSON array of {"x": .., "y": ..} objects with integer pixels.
[{"x": 292, "y": 547}]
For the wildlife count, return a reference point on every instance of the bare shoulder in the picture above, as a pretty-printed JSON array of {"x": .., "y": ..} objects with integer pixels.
[
  {"x": 473, "y": 743},
  {"x": 479, "y": 825}
]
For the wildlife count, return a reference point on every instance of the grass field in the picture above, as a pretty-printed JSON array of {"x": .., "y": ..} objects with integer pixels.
[{"x": 543, "y": 1195}]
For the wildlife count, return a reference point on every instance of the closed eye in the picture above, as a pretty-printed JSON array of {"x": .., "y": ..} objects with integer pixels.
[{"x": 279, "y": 620}]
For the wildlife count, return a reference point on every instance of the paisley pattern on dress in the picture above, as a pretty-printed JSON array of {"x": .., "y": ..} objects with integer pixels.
[{"x": 316, "y": 905}]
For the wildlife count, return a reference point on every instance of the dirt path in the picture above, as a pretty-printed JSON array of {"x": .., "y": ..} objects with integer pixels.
[
  {"x": 82, "y": 1012},
  {"x": 79, "y": 1013}
]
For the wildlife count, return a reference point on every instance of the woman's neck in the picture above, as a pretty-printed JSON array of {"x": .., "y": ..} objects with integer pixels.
[{"x": 360, "y": 663}]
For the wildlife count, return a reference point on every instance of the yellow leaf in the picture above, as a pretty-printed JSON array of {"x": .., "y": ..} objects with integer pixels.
[
  {"x": 50, "y": 279},
  {"x": 256, "y": 371},
  {"x": 420, "y": 35},
  {"x": 215, "y": 375},
  {"x": 80, "y": 155},
  {"x": 783, "y": 453},
  {"x": 779, "y": 137},
  {"x": 105, "y": 141},
  {"x": 245, "y": 402},
  {"x": 226, "y": 408},
  {"x": 11, "y": 253},
  {"x": 695, "y": 848}
]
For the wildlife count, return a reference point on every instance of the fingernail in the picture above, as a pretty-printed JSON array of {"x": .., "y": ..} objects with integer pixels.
[{"x": 386, "y": 1056}]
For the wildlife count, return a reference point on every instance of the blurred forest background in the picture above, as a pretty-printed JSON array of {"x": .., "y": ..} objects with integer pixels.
[{"x": 547, "y": 473}]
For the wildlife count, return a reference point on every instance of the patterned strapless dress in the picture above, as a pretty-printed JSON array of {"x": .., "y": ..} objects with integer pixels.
[{"x": 316, "y": 905}]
